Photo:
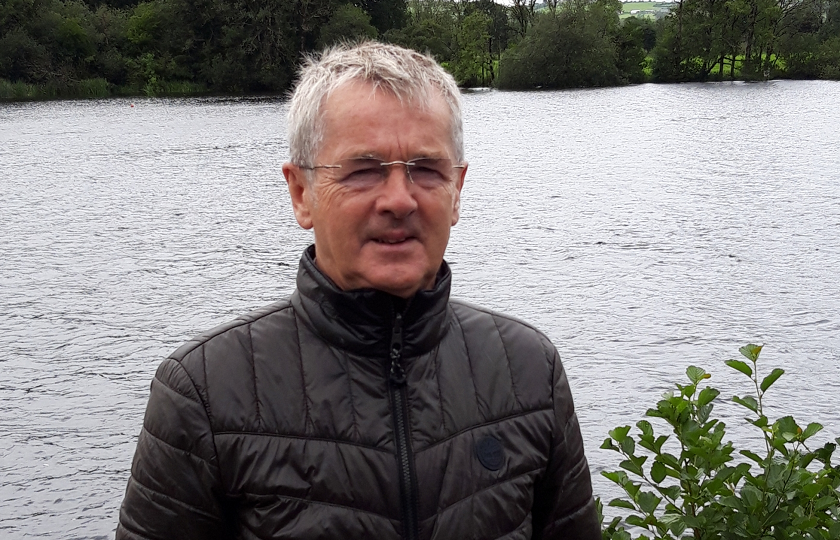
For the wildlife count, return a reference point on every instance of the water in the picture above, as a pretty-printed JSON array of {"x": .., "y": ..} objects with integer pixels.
[{"x": 644, "y": 229}]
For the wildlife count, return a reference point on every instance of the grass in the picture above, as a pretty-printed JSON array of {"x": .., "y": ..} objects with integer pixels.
[
  {"x": 626, "y": 7},
  {"x": 85, "y": 88},
  {"x": 89, "y": 89}
]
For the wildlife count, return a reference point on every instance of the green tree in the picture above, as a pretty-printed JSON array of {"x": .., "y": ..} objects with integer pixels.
[
  {"x": 571, "y": 50},
  {"x": 432, "y": 27},
  {"x": 385, "y": 14},
  {"x": 632, "y": 54},
  {"x": 474, "y": 64},
  {"x": 348, "y": 22}
]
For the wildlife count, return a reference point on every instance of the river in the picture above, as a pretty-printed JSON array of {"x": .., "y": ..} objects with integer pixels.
[{"x": 644, "y": 229}]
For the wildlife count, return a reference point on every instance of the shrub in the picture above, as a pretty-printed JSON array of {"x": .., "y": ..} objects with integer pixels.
[
  {"x": 705, "y": 491},
  {"x": 559, "y": 53}
]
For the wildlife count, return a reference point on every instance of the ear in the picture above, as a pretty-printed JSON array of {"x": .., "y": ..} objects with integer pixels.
[
  {"x": 301, "y": 193},
  {"x": 456, "y": 202}
]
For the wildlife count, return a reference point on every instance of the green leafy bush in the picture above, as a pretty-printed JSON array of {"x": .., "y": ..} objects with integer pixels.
[{"x": 701, "y": 488}]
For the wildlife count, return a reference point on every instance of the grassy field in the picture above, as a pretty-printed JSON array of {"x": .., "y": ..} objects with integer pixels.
[
  {"x": 627, "y": 6},
  {"x": 649, "y": 7}
]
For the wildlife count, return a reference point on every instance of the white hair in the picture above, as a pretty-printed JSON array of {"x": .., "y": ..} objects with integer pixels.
[{"x": 407, "y": 74}]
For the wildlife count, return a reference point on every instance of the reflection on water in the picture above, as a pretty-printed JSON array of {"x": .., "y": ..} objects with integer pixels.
[{"x": 643, "y": 229}]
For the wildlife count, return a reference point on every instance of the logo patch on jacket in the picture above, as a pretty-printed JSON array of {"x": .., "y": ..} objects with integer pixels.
[{"x": 490, "y": 453}]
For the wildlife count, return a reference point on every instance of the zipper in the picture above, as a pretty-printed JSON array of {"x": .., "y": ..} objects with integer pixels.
[{"x": 402, "y": 435}]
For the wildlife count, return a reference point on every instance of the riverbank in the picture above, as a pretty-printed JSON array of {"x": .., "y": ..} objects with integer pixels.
[
  {"x": 97, "y": 88},
  {"x": 101, "y": 89}
]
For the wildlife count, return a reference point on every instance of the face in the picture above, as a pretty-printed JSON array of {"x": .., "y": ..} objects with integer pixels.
[{"x": 391, "y": 234}]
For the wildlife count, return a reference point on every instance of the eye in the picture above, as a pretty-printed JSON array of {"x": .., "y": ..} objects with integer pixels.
[
  {"x": 361, "y": 173},
  {"x": 430, "y": 172}
]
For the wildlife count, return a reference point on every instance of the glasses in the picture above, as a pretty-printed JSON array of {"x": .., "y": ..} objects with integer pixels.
[{"x": 365, "y": 172}]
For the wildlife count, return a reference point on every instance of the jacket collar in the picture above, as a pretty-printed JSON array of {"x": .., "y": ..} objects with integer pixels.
[{"x": 361, "y": 320}]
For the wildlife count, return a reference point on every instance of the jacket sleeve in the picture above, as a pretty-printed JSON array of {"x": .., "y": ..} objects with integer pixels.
[
  {"x": 563, "y": 505},
  {"x": 174, "y": 490}
]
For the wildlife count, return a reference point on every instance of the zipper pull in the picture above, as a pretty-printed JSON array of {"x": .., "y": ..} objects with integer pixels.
[{"x": 397, "y": 375}]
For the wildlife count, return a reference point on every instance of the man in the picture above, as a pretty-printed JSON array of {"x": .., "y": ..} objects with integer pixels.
[{"x": 368, "y": 405}]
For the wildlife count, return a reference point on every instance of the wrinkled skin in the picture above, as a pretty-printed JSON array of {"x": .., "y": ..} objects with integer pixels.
[{"x": 390, "y": 237}]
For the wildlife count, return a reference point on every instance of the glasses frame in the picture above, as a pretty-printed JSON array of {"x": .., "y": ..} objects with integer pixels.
[{"x": 408, "y": 164}]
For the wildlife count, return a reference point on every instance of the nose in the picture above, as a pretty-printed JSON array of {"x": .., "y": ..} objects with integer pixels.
[{"x": 397, "y": 197}]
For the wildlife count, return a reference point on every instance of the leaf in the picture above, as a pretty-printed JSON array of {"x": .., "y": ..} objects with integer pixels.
[
  {"x": 747, "y": 401},
  {"x": 657, "y": 444},
  {"x": 740, "y": 366},
  {"x": 648, "y": 502},
  {"x": 762, "y": 422},
  {"x": 657, "y": 472},
  {"x": 635, "y": 521},
  {"x": 811, "y": 490},
  {"x": 706, "y": 396},
  {"x": 619, "y": 432},
  {"x": 752, "y": 455},
  {"x": 787, "y": 427},
  {"x": 619, "y": 477},
  {"x": 631, "y": 466},
  {"x": 621, "y": 503},
  {"x": 812, "y": 429},
  {"x": 628, "y": 446},
  {"x": 669, "y": 459},
  {"x": 751, "y": 496},
  {"x": 732, "y": 502},
  {"x": 834, "y": 530},
  {"x": 608, "y": 445},
  {"x": 678, "y": 528},
  {"x": 704, "y": 412},
  {"x": 672, "y": 492},
  {"x": 645, "y": 427},
  {"x": 823, "y": 503},
  {"x": 770, "y": 379},
  {"x": 695, "y": 374},
  {"x": 751, "y": 351}
]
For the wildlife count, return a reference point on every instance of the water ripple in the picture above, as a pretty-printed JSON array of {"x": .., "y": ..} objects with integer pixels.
[{"x": 643, "y": 229}]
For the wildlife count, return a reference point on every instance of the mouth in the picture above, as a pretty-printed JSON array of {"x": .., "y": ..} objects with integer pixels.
[
  {"x": 393, "y": 238},
  {"x": 392, "y": 241}
]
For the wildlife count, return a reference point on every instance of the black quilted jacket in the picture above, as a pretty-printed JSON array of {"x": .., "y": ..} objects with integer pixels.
[{"x": 349, "y": 415}]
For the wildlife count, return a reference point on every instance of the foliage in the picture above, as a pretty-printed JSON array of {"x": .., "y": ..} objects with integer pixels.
[
  {"x": 243, "y": 46},
  {"x": 697, "y": 486},
  {"x": 348, "y": 23},
  {"x": 572, "y": 49},
  {"x": 474, "y": 62}
]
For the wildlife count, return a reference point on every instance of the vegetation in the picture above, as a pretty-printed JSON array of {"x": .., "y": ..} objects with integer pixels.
[
  {"x": 696, "y": 486},
  {"x": 58, "y": 48}
]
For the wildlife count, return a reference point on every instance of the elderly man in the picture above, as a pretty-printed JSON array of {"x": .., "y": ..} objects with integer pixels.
[{"x": 368, "y": 405}]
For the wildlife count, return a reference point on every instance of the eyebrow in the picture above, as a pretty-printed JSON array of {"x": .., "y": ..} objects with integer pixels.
[{"x": 371, "y": 155}]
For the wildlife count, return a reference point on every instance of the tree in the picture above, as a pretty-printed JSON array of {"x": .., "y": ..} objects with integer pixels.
[
  {"x": 523, "y": 12},
  {"x": 632, "y": 54},
  {"x": 570, "y": 50},
  {"x": 474, "y": 65},
  {"x": 385, "y": 14},
  {"x": 347, "y": 23}
]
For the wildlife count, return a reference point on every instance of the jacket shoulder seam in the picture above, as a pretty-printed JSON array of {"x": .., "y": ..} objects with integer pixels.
[
  {"x": 497, "y": 315},
  {"x": 249, "y": 318}
]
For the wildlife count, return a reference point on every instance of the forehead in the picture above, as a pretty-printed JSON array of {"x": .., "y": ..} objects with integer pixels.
[{"x": 358, "y": 117}]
